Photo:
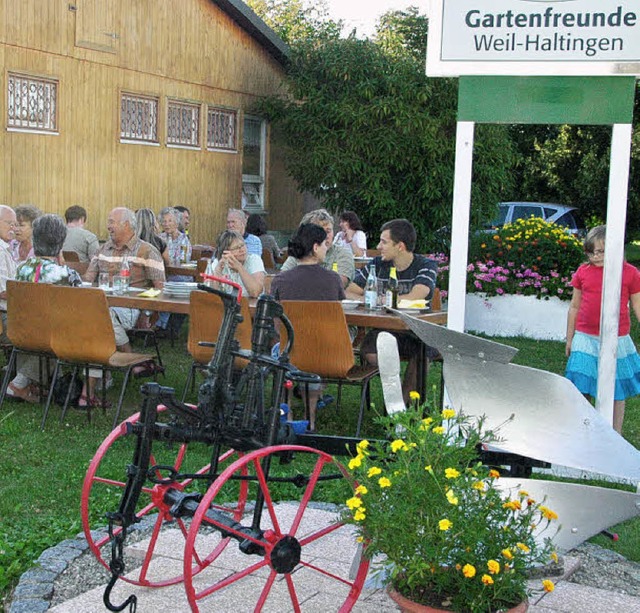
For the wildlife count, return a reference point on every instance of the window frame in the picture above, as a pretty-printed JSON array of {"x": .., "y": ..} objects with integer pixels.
[
  {"x": 53, "y": 116},
  {"x": 217, "y": 147},
  {"x": 141, "y": 97},
  {"x": 255, "y": 182},
  {"x": 184, "y": 104}
]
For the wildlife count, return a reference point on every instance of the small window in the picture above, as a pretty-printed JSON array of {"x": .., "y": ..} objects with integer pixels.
[
  {"x": 139, "y": 118},
  {"x": 567, "y": 221},
  {"x": 32, "y": 103},
  {"x": 222, "y": 129},
  {"x": 524, "y": 212},
  {"x": 254, "y": 145},
  {"x": 183, "y": 124}
]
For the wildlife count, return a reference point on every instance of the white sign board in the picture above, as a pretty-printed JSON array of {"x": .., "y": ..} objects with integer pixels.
[{"x": 534, "y": 37}]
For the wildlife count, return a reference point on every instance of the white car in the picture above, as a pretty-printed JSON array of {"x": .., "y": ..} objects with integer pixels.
[{"x": 565, "y": 216}]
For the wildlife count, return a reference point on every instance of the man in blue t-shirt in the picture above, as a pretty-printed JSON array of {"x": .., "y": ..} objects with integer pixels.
[{"x": 416, "y": 281}]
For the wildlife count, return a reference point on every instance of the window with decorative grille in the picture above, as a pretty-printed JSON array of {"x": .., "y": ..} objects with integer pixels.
[
  {"x": 32, "y": 103},
  {"x": 222, "y": 129},
  {"x": 183, "y": 123},
  {"x": 139, "y": 118}
]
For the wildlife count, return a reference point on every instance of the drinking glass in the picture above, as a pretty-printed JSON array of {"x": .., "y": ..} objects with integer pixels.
[
  {"x": 119, "y": 283},
  {"x": 383, "y": 285},
  {"x": 104, "y": 283}
]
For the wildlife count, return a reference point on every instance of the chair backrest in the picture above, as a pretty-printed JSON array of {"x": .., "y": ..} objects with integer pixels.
[
  {"x": 79, "y": 267},
  {"x": 28, "y": 315},
  {"x": 267, "y": 259},
  {"x": 81, "y": 328},
  {"x": 201, "y": 251},
  {"x": 205, "y": 317},
  {"x": 436, "y": 300},
  {"x": 201, "y": 267},
  {"x": 70, "y": 256},
  {"x": 321, "y": 343}
]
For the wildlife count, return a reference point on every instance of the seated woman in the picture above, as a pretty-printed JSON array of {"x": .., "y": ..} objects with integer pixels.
[
  {"x": 258, "y": 226},
  {"x": 351, "y": 235},
  {"x": 22, "y": 245},
  {"x": 49, "y": 232},
  {"x": 147, "y": 230},
  {"x": 308, "y": 281},
  {"x": 234, "y": 263}
]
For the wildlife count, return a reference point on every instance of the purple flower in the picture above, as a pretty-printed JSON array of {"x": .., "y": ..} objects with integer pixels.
[
  {"x": 499, "y": 291},
  {"x": 477, "y": 284}
]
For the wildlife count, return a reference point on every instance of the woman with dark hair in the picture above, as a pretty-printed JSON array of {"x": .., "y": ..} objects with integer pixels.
[
  {"x": 258, "y": 226},
  {"x": 309, "y": 281},
  {"x": 147, "y": 230},
  {"x": 351, "y": 235},
  {"x": 22, "y": 245},
  {"x": 49, "y": 232}
]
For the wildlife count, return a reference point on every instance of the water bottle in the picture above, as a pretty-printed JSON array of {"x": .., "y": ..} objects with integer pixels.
[
  {"x": 209, "y": 271},
  {"x": 371, "y": 289},
  {"x": 391, "y": 298},
  {"x": 125, "y": 274}
]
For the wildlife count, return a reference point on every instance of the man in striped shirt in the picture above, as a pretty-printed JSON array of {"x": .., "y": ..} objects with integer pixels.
[
  {"x": 145, "y": 264},
  {"x": 416, "y": 281}
]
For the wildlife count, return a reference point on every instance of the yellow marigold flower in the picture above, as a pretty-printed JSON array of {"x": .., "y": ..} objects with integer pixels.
[
  {"x": 554, "y": 556},
  {"x": 444, "y": 524},
  {"x": 548, "y": 513},
  {"x": 428, "y": 468},
  {"x": 548, "y": 585},
  {"x": 448, "y": 413},
  {"x": 513, "y": 505},
  {"x": 530, "y": 501},
  {"x": 397, "y": 445},
  {"x": 427, "y": 421},
  {"x": 469, "y": 571},
  {"x": 354, "y": 503},
  {"x": 360, "y": 539},
  {"x": 493, "y": 566},
  {"x": 494, "y": 473},
  {"x": 487, "y": 580},
  {"x": 523, "y": 493},
  {"x": 384, "y": 482},
  {"x": 507, "y": 554},
  {"x": 373, "y": 471},
  {"x": 523, "y": 547},
  {"x": 362, "y": 445},
  {"x": 355, "y": 462},
  {"x": 451, "y": 473},
  {"x": 451, "y": 497},
  {"x": 413, "y": 395},
  {"x": 478, "y": 485},
  {"x": 458, "y": 566},
  {"x": 361, "y": 489},
  {"x": 360, "y": 514},
  {"x": 438, "y": 430}
]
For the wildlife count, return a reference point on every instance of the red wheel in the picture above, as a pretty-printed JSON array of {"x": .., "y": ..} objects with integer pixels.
[
  {"x": 302, "y": 549},
  {"x": 102, "y": 490}
]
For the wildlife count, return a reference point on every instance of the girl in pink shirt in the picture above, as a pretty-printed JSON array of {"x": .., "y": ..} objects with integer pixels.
[{"x": 583, "y": 327}]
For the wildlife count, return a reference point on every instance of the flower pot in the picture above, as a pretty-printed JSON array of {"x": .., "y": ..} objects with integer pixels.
[
  {"x": 408, "y": 606},
  {"x": 515, "y": 315}
]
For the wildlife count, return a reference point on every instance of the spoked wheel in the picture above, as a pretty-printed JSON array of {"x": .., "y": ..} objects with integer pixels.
[
  {"x": 103, "y": 487},
  {"x": 297, "y": 551}
]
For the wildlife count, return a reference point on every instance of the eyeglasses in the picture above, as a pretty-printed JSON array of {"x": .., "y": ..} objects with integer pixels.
[
  {"x": 11, "y": 224},
  {"x": 237, "y": 247},
  {"x": 595, "y": 252}
]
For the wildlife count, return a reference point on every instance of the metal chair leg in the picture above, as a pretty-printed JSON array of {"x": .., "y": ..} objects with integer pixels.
[
  {"x": 50, "y": 395},
  {"x": 127, "y": 375},
  {"x": 7, "y": 375}
]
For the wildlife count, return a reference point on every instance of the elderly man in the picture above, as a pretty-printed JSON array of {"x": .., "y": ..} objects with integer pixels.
[
  {"x": 341, "y": 258},
  {"x": 145, "y": 262},
  {"x": 80, "y": 240},
  {"x": 237, "y": 221},
  {"x": 7, "y": 263},
  {"x": 416, "y": 276}
]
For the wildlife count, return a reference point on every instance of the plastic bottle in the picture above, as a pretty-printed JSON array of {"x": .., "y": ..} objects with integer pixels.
[
  {"x": 371, "y": 289},
  {"x": 209, "y": 271},
  {"x": 392, "y": 291},
  {"x": 125, "y": 274}
]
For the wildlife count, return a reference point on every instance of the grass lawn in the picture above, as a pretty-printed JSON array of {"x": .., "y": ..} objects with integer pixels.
[{"x": 42, "y": 472}]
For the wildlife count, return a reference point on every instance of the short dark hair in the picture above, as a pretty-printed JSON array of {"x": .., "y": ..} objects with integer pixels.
[
  {"x": 351, "y": 217},
  {"x": 306, "y": 236},
  {"x": 74, "y": 213},
  {"x": 49, "y": 232},
  {"x": 401, "y": 231},
  {"x": 256, "y": 225},
  {"x": 181, "y": 208}
]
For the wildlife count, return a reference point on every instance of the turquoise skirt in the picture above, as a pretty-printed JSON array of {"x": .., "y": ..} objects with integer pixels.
[{"x": 582, "y": 366}]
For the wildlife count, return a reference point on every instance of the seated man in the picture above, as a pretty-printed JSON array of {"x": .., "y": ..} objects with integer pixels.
[
  {"x": 7, "y": 263},
  {"x": 416, "y": 280},
  {"x": 237, "y": 221},
  {"x": 341, "y": 258},
  {"x": 145, "y": 262},
  {"x": 80, "y": 240}
]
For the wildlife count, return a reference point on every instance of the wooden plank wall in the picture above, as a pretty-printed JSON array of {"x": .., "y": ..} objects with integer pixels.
[{"x": 188, "y": 50}]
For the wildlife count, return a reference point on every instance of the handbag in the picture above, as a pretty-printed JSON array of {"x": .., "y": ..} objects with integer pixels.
[{"x": 61, "y": 388}]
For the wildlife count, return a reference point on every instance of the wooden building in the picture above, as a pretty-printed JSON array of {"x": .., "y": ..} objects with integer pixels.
[{"x": 141, "y": 103}]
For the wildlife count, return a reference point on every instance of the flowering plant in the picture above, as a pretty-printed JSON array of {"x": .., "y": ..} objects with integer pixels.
[
  {"x": 531, "y": 257},
  {"x": 451, "y": 537}
]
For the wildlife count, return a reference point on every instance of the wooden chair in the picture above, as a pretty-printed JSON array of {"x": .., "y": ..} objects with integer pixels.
[
  {"x": 268, "y": 261},
  {"x": 372, "y": 253},
  {"x": 205, "y": 317},
  {"x": 80, "y": 267},
  {"x": 82, "y": 335},
  {"x": 28, "y": 328},
  {"x": 201, "y": 251},
  {"x": 201, "y": 267},
  {"x": 70, "y": 256},
  {"x": 322, "y": 345}
]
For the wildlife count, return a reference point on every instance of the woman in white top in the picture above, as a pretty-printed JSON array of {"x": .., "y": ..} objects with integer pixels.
[
  {"x": 234, "y": 263},
  {"x": 351, "y": 235}
]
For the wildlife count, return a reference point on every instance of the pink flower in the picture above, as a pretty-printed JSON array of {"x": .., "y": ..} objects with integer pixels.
[
  {"x": 500, "y": 291},
  {"x": 477, "y": 284}
]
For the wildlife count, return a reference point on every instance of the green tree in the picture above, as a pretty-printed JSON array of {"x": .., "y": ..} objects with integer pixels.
[{"x": 366, "y": 130}]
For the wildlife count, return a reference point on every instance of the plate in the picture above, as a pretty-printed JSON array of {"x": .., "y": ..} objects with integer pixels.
[{"x": 349, "y": 305}]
